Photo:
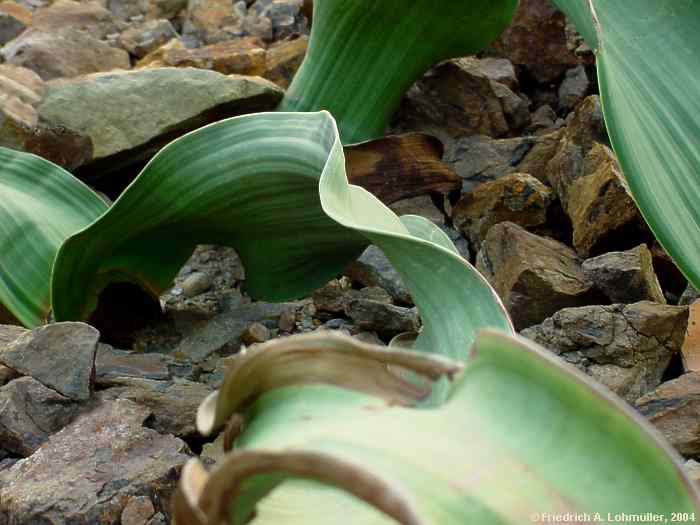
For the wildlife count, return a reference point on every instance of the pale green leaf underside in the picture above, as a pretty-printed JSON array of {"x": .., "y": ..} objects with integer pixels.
[
  {"x": 518, "y": 435},
  {"x": 650, "y": 90}
]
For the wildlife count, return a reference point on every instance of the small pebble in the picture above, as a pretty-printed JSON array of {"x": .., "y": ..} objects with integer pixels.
[
  {"x": 255, "y": 333},
  {"x": 196, "y": 283}
]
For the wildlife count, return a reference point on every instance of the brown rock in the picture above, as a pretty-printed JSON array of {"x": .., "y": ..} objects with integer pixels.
[
  {"x": 691, "y": 343},
  {"x": 674, "y": 408},
  {"x": 602, "y": 211},
  {"x": 537, "y": 38},
  {"x": 535, "y": 276},
  {"x": 381, "y": 317},
  {"x": 255, "y": 333},
  {"x": 60, "y": 355},
  {"x": 536, "y": 160},
  {"x": 67, "y": 15},
  {"x": 518, "y": 198},
  {"x": 173, "y": 403},
  {"x": 457, "y": 99},
  {"x": 243, "y": 56},
  {"x": 30, "y": 414},
  {"x": 213, "y": 21},
  {"x": 149, "y": 36},
  {"x": 89, "y": 471},
  {"x": 625, "y": 277},
  {"x": 66, "y": 54},
  {"x": 111, "y": 363},
  {"x": 626, "y": 347},
  {"x": 283, "y": 60},
  {"x": 138, "y": 511},
  {"x": 479, "y": 158}
]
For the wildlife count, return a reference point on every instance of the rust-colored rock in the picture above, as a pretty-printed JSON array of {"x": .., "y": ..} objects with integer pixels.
[
  {"x": 519, "y": 198},
  {"x": 537, "y": 38},
  {"x": 601, "y": 209},
  {"x": 535, "y": 276},
  {"x": 674, "y": 408},
  {"x": 283, "y": 60}
]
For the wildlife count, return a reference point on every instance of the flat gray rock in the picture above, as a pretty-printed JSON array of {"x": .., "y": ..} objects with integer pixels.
[
  {"x": 61, "y": 356},
  {"x": 626, "y": 347}
]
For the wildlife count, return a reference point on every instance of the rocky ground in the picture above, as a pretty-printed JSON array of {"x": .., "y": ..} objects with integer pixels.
[{"x": 96, "y": 433}]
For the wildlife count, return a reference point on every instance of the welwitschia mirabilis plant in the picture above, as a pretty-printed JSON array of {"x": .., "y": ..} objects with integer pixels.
[
  {"x": 521, "y": 440},
  {"x": 647, "y": 61},
  {"x": 250, "y": 183}
]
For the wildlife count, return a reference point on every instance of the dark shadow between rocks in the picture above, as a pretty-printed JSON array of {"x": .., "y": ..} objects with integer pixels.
[{"x": 122, "y": 310}]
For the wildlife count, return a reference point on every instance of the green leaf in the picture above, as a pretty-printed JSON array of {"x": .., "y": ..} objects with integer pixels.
[
  {"x": 647, "y": 55},
  {"x": 40, "y": 206},
  {"x": 363, "y": 55},
  {"x": 274, "y": 187},
  {"x": 249, "y": 182},
  {"x": 521, "y": 433}
]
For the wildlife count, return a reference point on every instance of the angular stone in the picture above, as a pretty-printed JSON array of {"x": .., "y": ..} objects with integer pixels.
[
  {"x": 518, "y": 198},
  {"x": 30, "y": 413},
  {"x": 196, "y": 283},
  {"x": 537, "y": 38},
  {"x": 422, "y": 205},
  {"x": 133, "y": 113},
  {"x": 535, "y": 276},
  {"x": 141, "y": 40},
  {"x": 66, "y": 54},
  {"x": 227, "y": 328},
  {"x": 283, "y": 59},
  {"x": 138, "y": 511},
  {"x": 374, "y": 269},
  {"x": 332, "y": 296},
  {"x": 66, "y": 15},
  {"x": 690, "y": 295},
  {"x": 111, "y": 363},
  {"x": 60, "y": 355},
  {"x": 457, "y": 99},
  {"x": 89, "y": 471},
  {"x": 385, "y": 319},
  {"x": 13, "y": 20},
  {"x": 500, "y": 70},
  {"x": 602, "y": 211},
  {"x": 479, "y": 158},
  {"x": 574, "y": 88},
  {"x": 674, "y": 408},
  {"x": 20, "y": 91},
  {"x": 543, "y": 120},
  {"x": 692, "y": 468},
  {"x": 255, "y": 333},
  {"x": 625, "y": 277},
  {"x": 173, "y": 403},
  {"x": 130, "y": 10},
  {"x": 212, "y": 21},
  {"x": 536, "y": 159},
  {"x": 286, "y": 16},
  {"x": 625, "y": 347},
  {"x": 241, "y": 56}
]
